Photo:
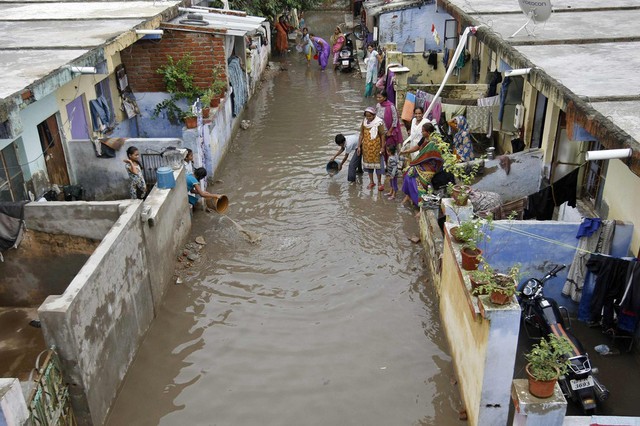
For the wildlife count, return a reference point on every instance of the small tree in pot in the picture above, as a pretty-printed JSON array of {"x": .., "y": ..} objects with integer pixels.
[
  {"x": 547, "y": 362},
  {"x": 500, "y": 287}
]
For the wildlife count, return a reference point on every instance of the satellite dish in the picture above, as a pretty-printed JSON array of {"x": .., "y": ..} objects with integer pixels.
[{"x": 536, "y": 11}]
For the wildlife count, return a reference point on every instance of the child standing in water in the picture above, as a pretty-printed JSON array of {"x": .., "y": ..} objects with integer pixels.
[
  {"x": 392, "y": 170},
  {"x": 137, "y": 185}
]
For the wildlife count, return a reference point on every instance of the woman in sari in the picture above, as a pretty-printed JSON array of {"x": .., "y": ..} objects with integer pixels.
[
  {"x": 282, "y": 30},
  {"x": 389, "y": 115},
  {"x": 372, "y": 61},
  {"x": 323, "y": 48},
  {"x": 462, "y": 138},
  {"x": 337, "y": 41},
  {"x": 371, "y": 146},
  {"x": 426, "y": 164}
]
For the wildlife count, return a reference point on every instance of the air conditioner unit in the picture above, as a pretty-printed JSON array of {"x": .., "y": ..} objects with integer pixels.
[{"x": 518, "y": 117}]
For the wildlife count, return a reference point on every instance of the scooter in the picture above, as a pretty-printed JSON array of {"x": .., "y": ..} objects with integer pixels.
[
  {"x": 346, "y": 58},
  {"x": 545, "y": 315}
]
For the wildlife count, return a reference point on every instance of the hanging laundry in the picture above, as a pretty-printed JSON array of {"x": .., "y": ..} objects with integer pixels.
[
  {"x": 11, "y": 225},
  {"x": 630, "y": 302},
  {"x": 453, "y": 110},
  {"x": 479, "y": 118},
  {"x": 588, "y": 227},
  {"x": 435, "y": 35},
  {"x": 445, "y": 58},
  {"x": 239, "y": 84},
  {"x": 543, "y": 202},
  {"x": 408, "y": 107},
  {"x": 490, "y": 101},
  {"x": 494, "y": 79},
  {"x": 421, "y": 99},
  {"x": 597, "y": 242},
  {"x": 436, "y": 109},
  {"x": 475, "y": 69},
  {"x": 432, "y": 59},
  {"x": 503, "y": 97},
  {"x": 610, "y": 287}
]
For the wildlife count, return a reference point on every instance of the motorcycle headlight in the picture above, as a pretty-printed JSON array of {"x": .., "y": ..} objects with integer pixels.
[{"x": 344, "y": 54}]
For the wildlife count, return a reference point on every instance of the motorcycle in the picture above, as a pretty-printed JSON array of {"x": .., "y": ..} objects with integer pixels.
[
  {"x": 346, "y": 57},
  {"x": 545, "y": 315}
]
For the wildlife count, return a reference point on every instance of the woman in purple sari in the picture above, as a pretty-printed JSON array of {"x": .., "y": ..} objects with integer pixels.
[
  {"x": 323, "y": 49},
  {"x": 388, "y": 113}
]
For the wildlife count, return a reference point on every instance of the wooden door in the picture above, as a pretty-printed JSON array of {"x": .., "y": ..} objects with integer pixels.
[{"x": 53, "y": 151}]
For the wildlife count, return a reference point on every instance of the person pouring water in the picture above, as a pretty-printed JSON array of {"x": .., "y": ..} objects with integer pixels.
[
  {"x": 349, "y": 144},
  {"x": 194, "y": 188}
]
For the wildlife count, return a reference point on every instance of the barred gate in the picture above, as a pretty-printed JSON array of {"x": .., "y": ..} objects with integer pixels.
[{"x": 49, "y": 403}]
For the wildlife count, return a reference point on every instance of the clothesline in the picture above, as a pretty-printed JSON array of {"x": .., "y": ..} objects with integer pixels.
[{"x": 510, "y": 228}]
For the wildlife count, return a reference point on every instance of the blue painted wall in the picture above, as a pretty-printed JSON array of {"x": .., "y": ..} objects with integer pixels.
[
  {"x": 160, "y": 127},
  {"x": 538, "y": 245},
  {"x": 404, "y": 26}
]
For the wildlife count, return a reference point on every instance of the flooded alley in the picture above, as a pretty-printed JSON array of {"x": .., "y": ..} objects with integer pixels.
[{"x": 328, "y": 319}]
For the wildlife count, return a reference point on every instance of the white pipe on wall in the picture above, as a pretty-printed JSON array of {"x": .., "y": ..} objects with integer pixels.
[
  {"x": 148, "y": 32},
  {"x": 608, "y": 154},
  {"x": 520, "y": 71},
  {"x": 84, "y": 70}
]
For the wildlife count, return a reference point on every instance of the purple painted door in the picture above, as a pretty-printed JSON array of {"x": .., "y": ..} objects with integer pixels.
[{"x": 78, "y": 118}]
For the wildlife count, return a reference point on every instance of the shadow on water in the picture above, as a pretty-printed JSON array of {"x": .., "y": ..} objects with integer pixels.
[{"x": 328, "y": 319}]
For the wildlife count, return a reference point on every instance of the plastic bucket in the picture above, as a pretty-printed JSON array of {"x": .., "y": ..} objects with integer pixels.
[
  {"x": 332, "y": 167},
  {"x": 219, "y": 204},
  {"x": 166, "y": 180}
]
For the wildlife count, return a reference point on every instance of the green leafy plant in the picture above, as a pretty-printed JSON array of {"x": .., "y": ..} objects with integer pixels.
[
  {"x": 493, "y": 281},
  {"x": 206, "y": 97},
  {"x": 547, "y": 359},
  {"x": 219, "y": 85},
  {"x": 179, "y": 82},
  {"x": 178, "y": 79},
  {"x": 473, "y": 231},
  {"x": 172, "y": 111}
]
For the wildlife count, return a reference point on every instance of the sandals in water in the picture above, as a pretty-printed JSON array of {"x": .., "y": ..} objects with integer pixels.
[
  {"x": 381, "y": 188},
  {"x": 371, "y": 186}
]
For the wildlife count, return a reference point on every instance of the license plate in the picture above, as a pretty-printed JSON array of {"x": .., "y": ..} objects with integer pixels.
[
  {"x": 582, "y": 383},
  {"x": 345, "y": 63}
]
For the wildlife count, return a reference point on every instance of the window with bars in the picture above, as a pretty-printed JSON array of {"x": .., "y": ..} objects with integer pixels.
[
  {"x": 594, "y": 177},
  {"x": 11, "y": 178}
]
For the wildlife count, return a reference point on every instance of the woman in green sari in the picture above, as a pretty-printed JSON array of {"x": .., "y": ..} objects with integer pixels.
[{"x": 426, "y": 164}]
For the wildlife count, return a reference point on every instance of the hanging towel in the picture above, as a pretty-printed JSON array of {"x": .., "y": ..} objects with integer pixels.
[
  {"x": 433, "y": 60},
  {"x": 239, "y": 84},
  {"x": 478, "y": 118},
  {"x": 408, "y": 107},
  {"x": 490, "y": 101}
]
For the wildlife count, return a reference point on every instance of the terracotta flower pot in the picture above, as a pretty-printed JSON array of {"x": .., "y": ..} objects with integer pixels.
[
  {"x": 460, "y": 194},
  {"x": 191, "y": 122},
  {"x": 215, "y": 102},
  {"x": 539, "y": 388},
  {"x": 454, "y": 235},
  {"x": 475, "y": 285},
  {"x": 470, "y": 258},
  {"x": 499, "y": 298},
  {"x": 205, "y": 112}
]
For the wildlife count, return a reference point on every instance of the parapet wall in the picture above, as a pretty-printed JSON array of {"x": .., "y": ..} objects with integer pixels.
[{"x": 100, "y": 321}]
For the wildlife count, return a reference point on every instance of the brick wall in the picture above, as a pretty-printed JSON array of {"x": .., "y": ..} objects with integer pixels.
[{"x": 144, "y": 57}]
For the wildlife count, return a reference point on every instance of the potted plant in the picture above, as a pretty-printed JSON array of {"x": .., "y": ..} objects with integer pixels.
[
  {"x": 190, "y": 119},
  {"x": 219, "y": 85},
  {"x": 500, "y": 287},
  {"x": 179, "y": 82},
  {"x": 205, "y": 99},
  {"x": 481, "y": 277},
  {"x": 464, "y": 173},
  {"x": 470, "y": 233},
  {"x": 547, "y": 362}
]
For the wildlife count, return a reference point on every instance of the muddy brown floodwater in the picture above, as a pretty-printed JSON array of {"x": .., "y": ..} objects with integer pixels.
[{"x": 328, "y": 320}]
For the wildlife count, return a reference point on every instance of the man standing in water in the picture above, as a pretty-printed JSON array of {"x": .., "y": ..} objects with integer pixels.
[{"x": 348, "y": 145}]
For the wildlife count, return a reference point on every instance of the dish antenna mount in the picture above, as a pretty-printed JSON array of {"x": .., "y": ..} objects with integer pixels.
[{"x": 536, "y": 11}]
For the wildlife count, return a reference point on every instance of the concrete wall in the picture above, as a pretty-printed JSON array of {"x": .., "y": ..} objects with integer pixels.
[
  {"x": 618, "y": 187},
  {"x": 165, "y": 232},
  {"x": 79, "y": 218},
  {"x": 403, "y": 27},
  {"x": 99, "y": 322},
  {"x": 13, "y": 408},
  {"x": 106, "y": 178}
]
